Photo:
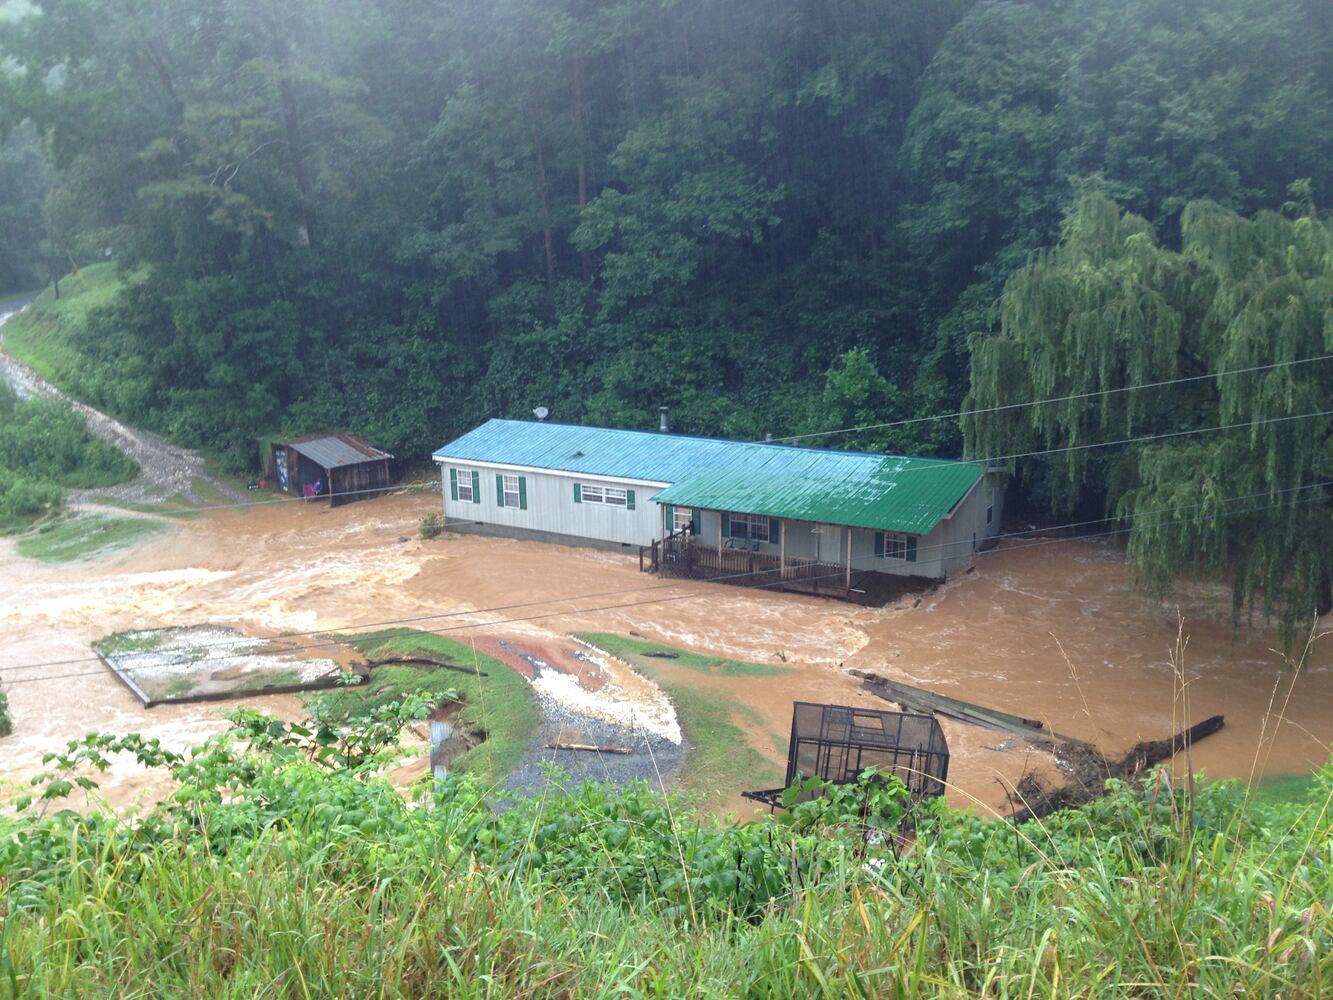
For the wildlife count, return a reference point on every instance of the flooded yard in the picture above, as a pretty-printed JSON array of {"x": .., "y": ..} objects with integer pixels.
[{"x": 1048, "y": 631}]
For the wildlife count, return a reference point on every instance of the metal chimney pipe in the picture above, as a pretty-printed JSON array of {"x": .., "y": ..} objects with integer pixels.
[{"x": 662, "y": 424}]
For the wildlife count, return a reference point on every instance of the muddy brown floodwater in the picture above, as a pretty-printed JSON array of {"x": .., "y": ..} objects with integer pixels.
[{"x": 1052, "y": 631}]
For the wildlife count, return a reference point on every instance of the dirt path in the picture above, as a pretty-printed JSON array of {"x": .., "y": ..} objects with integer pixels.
[{"x": 165, "y": 470}]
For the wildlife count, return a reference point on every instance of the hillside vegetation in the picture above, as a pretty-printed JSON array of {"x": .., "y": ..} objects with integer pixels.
[
  {"x": 284, "y": 867},
  {"x": 774, "y": 217},
  {"x": 45, "y": 449}
]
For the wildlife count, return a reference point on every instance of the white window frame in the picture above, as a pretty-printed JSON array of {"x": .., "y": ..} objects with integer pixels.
[
  {"x": 682, "y": 518},
  {"x": 609, "y": 496},
  {"x": 751, "y": 522},
  {"x": 895, "y": 545},
  {"x": 463, "y": 483},
  {"x": 510, "y": 490}
]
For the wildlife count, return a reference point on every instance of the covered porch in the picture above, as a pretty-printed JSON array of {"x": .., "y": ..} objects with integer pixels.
[{"x": 773, "y": 553}]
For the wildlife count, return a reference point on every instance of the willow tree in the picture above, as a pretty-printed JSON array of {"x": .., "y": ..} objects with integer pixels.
[{"x": 1224, "y": 471}]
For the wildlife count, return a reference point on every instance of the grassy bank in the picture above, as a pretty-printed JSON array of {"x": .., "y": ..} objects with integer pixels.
[
  {"x": 85, "y": 537},
  {"x": 500, "y": 704},
  {"x": 303, "y": 882},
  {"x": 45, "y": 336},
  {"x": 718, "y": 759}
]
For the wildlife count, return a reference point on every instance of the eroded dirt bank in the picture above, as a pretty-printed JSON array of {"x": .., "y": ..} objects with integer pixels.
[{"x": 993, "y": 636}]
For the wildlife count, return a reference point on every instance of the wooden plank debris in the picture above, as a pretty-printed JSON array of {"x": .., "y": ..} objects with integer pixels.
[
  {"x": 589, "y": 747},
  {"x": 915, "y": 699},
  {"x": 1091, "y": 769}
]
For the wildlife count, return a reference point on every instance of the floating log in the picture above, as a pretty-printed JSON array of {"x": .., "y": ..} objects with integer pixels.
[
  {"x": 432, "y": 661},
  {"x": 662, "y": 654},
  {"x": 915, "y": 699},
  {"x": 1091, "y": 770},
  {"x": 589, "y": 747}
]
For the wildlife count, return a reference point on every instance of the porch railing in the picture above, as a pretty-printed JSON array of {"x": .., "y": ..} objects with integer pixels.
[{"x": 681, "y": 555}]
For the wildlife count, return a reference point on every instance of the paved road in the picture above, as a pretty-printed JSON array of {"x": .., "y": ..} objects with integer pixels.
[{"x": 165, "y": 470}]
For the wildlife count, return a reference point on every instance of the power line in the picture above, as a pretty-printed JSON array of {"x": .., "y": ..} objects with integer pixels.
[
  {"x": 927, "y": 464},
  {"x": 635, "y": 604},
  {"x": 722, "y": 579},
  {"x": 1042, "y": 402}
]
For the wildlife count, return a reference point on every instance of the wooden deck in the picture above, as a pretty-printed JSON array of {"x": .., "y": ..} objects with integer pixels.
[{"x": 681, "y": 556}]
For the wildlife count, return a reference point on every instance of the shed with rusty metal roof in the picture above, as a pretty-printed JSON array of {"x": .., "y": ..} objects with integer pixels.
[{"x": 343, "y": 467}]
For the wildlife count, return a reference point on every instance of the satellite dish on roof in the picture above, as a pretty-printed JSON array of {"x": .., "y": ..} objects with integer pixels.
[{"x": 541, "y": 413}]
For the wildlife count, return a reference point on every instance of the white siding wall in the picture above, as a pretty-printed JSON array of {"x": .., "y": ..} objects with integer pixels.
[{"x": 551, "y": 507}]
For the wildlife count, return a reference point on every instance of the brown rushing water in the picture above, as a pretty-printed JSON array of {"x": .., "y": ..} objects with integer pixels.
[{"x": 993, "y": 636}]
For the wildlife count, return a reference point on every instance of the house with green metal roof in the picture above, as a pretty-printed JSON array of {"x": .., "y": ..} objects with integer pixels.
[{"x": 754, "y": 513}]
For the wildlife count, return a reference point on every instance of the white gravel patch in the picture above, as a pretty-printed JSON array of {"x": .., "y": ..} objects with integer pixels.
[{"x": 611, "y": 704}]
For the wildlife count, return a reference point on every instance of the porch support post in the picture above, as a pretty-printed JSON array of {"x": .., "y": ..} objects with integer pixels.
[
  {"x": 782, "y": 552},
  {"x": 849, "y": 558},
  {"x": 719, "y": 541}
]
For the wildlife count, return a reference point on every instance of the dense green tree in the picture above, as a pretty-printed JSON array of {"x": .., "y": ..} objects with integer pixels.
[
  {"x": 1155, "y": 102},
  {"x": 1221, "y": 471}
]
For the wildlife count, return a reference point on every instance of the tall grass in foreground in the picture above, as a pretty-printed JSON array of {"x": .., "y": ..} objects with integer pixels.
[{"x": 344, "y": 890}]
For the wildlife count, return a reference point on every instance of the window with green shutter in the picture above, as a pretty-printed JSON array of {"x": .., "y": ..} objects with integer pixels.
[
  {"x": 453, "y": 483},
  {"x": 522, "y": 492},
  {"x": 629, "y": 499},
  {"x": 476, "y": 486},
  {"x": 696, "y": 522},
  {"x": 578, "y": 493},
  {"x": 895, "y": 545}
]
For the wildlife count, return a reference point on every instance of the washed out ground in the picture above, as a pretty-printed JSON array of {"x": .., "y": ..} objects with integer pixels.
[{"x": 1047, "y": 630}]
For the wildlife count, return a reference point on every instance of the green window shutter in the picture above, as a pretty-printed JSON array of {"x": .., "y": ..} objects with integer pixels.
[
  {"x": 578, "y": 493},
  {"x": 453, "y": 483},
  {"x": 669, "y": 518},
  {"x": 696, "y": 522},
  {"x": 726, "y": 525},
  {"x": 774, "y": 530},
  {"x": 499, "y": 490},
  {"x": 911, "y": 548},
  {"x": 629, "y": 499},
  {"x": 879, "y": 545},
  {"x": 522, "y": 492},
  {"x": 476, "y": 486}
]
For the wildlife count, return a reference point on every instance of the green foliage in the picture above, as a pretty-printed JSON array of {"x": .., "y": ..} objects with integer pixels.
[
  {"x": 500, "y": 704},
  {"x": 45, "y": 448},
  {"x": 1108, "y": 308},
  {"x": 6, "y": 724},
  {"x": 430, "y": 526},
  {"x": 281, "y": 838}
]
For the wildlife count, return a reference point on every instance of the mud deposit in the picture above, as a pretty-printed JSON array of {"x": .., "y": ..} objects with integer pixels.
[{"x": 1046, "y": 631}]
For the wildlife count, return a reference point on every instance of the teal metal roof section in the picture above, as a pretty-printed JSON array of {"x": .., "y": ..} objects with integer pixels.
[{"x": 887, "y": 493}]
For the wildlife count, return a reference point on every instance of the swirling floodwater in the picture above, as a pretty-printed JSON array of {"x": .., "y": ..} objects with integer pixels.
[{"x": 1043, "y": 629}]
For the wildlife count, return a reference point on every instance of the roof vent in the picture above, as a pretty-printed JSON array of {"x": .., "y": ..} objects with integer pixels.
[{"x": 662, "y": 424}]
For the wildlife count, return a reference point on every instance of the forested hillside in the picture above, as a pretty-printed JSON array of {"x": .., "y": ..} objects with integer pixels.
[
  {"x": 776, "y": 216},
  {"x": 409, "y": 216}
]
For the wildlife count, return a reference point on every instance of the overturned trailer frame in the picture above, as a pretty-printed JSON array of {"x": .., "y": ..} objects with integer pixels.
[{"x": 836, "y": 743}]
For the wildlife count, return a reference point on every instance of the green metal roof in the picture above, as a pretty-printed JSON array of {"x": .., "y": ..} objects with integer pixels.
[
  {"x": 896, "y": 494},
  {"x": 888, "y": 493}
]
